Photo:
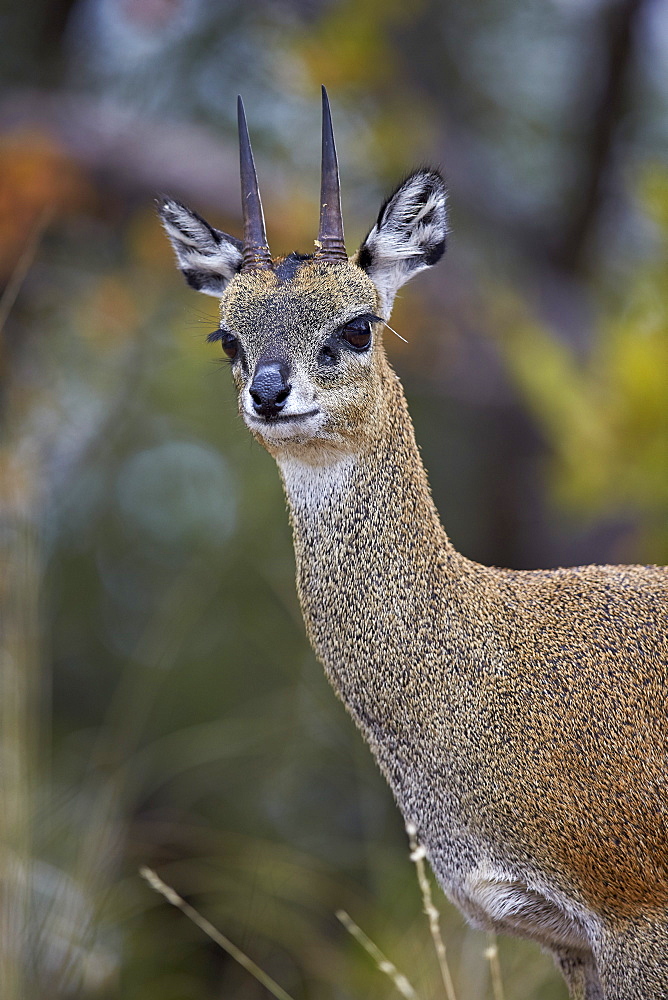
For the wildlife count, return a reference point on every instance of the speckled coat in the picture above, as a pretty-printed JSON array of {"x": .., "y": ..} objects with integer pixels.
[{"x": 520, "y": 718}]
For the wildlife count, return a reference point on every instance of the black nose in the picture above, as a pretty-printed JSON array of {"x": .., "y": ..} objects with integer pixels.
[{"x": 270, "y": 388}]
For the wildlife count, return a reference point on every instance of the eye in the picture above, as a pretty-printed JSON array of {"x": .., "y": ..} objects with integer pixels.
[
  {"x": 230, "y": 345},
  {"x": 357, "y": 333},
  {"x": 229, "y": 342}
]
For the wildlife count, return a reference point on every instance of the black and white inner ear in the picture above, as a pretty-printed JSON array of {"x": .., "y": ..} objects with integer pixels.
[
  {"x": 409, "y": 234},
  {"x": 207, "y": 257}
]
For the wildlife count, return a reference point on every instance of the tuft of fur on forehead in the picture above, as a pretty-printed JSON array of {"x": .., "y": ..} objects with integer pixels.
[
  {"x": 207, "y": 257},
  {"x": 286, "y": 267},
  {"x": 409, "y": 234}
]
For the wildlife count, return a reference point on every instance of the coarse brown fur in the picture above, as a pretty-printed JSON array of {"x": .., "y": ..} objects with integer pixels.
[{"x": 519, "y": 717}]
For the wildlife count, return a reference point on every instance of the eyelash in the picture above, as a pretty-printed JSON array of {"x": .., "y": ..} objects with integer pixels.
[{"x": 229, "y": 343}]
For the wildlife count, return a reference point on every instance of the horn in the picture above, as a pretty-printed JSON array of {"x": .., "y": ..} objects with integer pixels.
[
  {"x": 256, "y": 256},
  {"x": 330, "y": 238}
]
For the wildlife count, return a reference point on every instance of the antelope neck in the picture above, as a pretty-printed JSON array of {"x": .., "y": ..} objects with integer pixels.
[{"x": 371, "y": 555}]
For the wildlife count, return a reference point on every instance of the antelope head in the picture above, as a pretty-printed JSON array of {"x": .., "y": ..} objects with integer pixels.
[{"x": 303, "y": 332}]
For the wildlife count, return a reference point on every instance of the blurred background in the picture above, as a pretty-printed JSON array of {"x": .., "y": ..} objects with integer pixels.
[{"x": 159, "y": 702}]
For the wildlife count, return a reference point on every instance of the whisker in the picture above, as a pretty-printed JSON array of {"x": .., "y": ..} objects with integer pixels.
[
  {"x": 218, "y": 364},
  {"x": 203, "y": 313},
  {"x": 393, "y": 330}
]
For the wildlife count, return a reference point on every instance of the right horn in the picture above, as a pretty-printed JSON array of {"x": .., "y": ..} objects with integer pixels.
[
  {"x": 256, "y": 256},
  {"x": 330, "y": 245}
]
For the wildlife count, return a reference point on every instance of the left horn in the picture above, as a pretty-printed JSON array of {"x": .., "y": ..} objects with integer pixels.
[
  {"x": 256, "y": 256},
  {"x": 330, "y": 244}
]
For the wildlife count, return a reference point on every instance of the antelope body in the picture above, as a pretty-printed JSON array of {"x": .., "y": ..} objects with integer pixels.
[{"x": 521, "y": 718}]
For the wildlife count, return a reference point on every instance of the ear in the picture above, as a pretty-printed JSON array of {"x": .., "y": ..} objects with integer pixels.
[
  {"x": 207, "y": 258},
  {"x": 409, "y": 235}
]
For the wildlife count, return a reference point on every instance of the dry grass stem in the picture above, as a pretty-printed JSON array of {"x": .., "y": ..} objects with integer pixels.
[
  {"x": 400, "y": 981},
  {"x": 418, "y": 855},
  {"x": 492, "y": 956},
  {"x": 23, "y": 265},
  {"x": 212, "y": 932}
]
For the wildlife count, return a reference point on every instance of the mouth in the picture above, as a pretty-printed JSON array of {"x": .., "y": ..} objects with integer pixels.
[
  {"x": 285, "y": 426},
  {"x": 281, "y": 418}
]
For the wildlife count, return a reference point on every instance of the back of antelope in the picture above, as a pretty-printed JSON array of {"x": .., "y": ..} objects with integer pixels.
[{"x": 519, "y": 717}]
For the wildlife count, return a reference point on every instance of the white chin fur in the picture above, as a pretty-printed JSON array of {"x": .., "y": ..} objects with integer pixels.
[{"x": 285, "y": 428}]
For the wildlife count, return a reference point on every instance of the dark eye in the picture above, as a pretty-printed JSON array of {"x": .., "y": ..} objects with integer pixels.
[
  {"x": 230, "y": 345},
  {"x": 229, "y": 342},
  {"x": 357, "y": 333}
]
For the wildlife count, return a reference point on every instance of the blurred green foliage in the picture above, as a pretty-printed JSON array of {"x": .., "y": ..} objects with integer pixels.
[
  {"x": 605, "y": 414},
  {"x": 159, "y": 702}
]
